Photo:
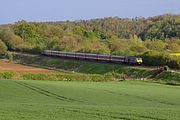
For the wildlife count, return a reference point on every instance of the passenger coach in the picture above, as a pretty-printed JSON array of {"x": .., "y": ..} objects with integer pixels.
[{"x": 95, "y": 57}]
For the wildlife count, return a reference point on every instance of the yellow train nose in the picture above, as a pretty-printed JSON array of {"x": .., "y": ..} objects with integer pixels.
[{"x": 139, "y": 60}]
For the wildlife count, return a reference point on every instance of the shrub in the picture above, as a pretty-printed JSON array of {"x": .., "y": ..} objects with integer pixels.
[
  {"x": 65, "y": 77},
  {"x": 173, "y": 61},
  {"x": 10, "y": 39},
  {"x": 118, "y": 45},
  {"x": 3, "y": 48},
  {"x": 170, "y": 77},
  {"x": 139, "y": 48},
  {"x": 157, "y": 45},
  {"x": 6, "y": 75},
  {"x": 154, "y": 58},
  {"x": 9, "y": 56},
  {"x": 115, "y": 76},
  {"x": 31, "y": 76},
  {"x": 124, "y": 52}
]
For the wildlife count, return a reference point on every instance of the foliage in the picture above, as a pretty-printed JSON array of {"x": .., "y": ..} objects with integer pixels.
[
  {"x": 11, "y": 40},
  {"x": 107, "y": 72},
  {"x": 6, "y": 75},
  {"x": 171, "y": 78},
  {"x": 155, "y": 58},
  {"x": 105, "y": 36},
  {"x": 9, "y": 56},
  {"x": 118, "y": 45},
  {"x": 173, "y": 61},
  {"x": 3, "y": 48},
  {"x": 66, "y": 77},
  {"x": 173, "y": 46},
  {"x": 156, "y": 45}
]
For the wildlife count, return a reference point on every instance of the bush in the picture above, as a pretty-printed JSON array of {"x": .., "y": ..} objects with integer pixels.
[
  {"x": 138, "y": 48},
  {"x": 124, "y": 52},
  {"x": 3, "y": 48},
  {"x": 10, "y": 39},
  {"x": 157, "y": 45},
  {"x": 115, "y": 76},
  {"x": 66, "y": 77},
  {"x": 6, "y": 75},
  {"x": 31, "y": 76},
  {"x": 173, "y": 62},
  {"x": 9, "y": 56},
  {"x": 154, "y": 58},
  {"x": 118, "y": 45},
  {"x": 172, "y": 78}
]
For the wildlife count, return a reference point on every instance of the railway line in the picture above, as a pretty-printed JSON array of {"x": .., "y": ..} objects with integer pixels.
[
  {"x": 133, "y": 60},
  {"x": 30, "y": 56}
]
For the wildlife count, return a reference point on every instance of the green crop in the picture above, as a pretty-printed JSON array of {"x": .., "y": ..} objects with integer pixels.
[{"x": 63, "y": 100}]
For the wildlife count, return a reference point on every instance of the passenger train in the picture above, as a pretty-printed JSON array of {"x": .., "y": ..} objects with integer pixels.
[{"x": 95, "y": 57}]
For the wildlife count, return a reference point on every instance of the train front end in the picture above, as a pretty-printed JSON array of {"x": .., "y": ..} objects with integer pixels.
[{"x": 139, "y": 61}]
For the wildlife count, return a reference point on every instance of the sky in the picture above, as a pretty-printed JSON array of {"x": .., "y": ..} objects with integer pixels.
[{"x": 61, "y": 10}]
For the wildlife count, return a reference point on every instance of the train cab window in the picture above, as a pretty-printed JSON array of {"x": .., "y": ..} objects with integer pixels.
[{"x": 139, "y": 59}]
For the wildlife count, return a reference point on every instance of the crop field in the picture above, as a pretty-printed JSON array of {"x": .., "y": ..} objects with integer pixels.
[
  {"x": 12, "y": 67},
  {"x": 60, "y": 100}
]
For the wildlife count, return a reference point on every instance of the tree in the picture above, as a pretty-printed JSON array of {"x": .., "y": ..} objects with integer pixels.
[
  {"x": 118, "y": 44},
  {"x": 25, "y": 30},
  {"x": 11, "y": 40},
  {"x": 3, "y": 48},
  {"x": 174, "y": 47},
  {"x": 136, "y": 44},
  {"x": 157, "y": 45},
  {"x": 95, "y": 47}
]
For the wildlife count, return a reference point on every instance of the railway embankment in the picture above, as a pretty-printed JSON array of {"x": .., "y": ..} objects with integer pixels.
[{"x": 102, "y": 70}]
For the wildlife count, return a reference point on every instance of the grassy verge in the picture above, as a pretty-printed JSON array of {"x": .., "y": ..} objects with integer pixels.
[
  {"x": 89, "y": 71},
  {"x": 7, "y": 75},
  {"x": 172, "y": 78},
  {"x": 63, "y": 77},
  {"x": 165, "y": 78}
]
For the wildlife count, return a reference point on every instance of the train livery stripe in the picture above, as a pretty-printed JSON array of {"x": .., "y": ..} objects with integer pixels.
[{"x": 98, "y": 57}]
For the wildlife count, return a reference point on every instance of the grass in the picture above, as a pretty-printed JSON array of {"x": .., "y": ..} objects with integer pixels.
[
  {"x": 66, "y": 77},
  {"x": 172, "y": 78},
  {"x": 60, "y": 100},
  {"x": 63, "y": 77},
  {"x": 7, "y": 75},
  {"x": 128, "y": 72}
]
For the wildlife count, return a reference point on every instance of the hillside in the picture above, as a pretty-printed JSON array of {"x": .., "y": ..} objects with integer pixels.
[
  {"x": 92, "y": 71},
  {"x": 153, "y": 38}
]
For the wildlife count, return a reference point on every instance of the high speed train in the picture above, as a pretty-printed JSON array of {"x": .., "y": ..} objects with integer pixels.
[{"x": 95, "y": 57}]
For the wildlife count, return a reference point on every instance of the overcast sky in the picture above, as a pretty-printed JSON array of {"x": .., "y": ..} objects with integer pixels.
[{"x": 62, "y": 10}]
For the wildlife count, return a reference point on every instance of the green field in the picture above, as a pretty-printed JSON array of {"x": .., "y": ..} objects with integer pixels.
[{"x": 58, "y": 100}]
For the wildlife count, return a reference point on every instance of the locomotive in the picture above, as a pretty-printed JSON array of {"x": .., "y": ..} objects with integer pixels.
[{"x": 95, "y": 57}]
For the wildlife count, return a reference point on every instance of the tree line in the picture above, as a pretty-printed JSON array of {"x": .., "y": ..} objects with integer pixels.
[{"x": 153, "y": 38}]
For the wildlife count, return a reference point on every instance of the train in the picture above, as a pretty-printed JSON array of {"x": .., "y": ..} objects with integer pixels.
[{"x": 95, "y": 57}]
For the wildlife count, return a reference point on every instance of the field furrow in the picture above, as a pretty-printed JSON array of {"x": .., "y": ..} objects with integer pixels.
[{"x": 58, "y": 100}]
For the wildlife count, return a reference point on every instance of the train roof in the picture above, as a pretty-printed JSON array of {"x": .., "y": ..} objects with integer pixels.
[{"x": 92, "y": 54}]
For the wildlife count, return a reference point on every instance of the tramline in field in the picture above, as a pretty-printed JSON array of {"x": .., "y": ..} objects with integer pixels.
[{"x": 95, "y": 57}]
